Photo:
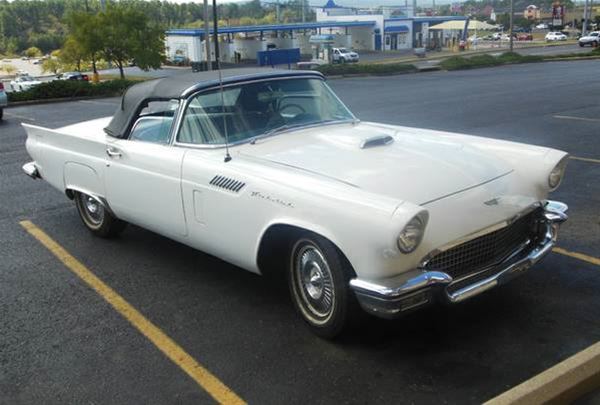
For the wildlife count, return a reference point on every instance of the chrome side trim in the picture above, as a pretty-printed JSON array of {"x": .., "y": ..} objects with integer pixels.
[
  {"x": 392, "y": 297},
  {"x": 101, "y": 200},
  {"x": 31, "y": 170}
]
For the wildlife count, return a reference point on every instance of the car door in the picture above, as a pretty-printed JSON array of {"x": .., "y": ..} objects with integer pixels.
[{"x": 143, "y": 175}]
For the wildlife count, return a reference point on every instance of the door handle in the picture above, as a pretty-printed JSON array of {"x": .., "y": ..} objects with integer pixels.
[{"x": 113, "y": 152}]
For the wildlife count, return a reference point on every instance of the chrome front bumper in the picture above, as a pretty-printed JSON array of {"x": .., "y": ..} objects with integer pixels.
[{"x": 395, "y": 296}]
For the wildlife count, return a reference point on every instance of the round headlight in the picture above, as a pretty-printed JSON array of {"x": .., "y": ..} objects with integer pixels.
[
  {"x": 411, "y": 236},
  {"x": 557, "y": 173}
]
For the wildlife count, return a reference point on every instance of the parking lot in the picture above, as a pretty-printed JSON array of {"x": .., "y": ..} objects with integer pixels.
[{"x": 63, "y": 343}]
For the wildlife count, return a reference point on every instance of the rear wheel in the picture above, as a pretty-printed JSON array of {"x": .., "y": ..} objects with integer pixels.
[
  {"x": 1, "y": 113},
  {"x": 318, "y": 278},
  {"x": 595, "y": 44},
  {"x": 581, "y": 44},
  {"x": 96, "y": 217}
]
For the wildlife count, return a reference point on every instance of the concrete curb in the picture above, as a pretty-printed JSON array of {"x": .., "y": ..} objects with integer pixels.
[
  {"x": 565, "y": 382},
  {"x": 53, "y": 100}
]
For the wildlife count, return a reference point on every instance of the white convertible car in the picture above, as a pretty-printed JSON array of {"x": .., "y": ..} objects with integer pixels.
[{"x": 268, "y": 170}]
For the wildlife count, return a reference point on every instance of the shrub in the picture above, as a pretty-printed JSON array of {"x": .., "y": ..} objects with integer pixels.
[
  {"x": 366, "y": 68},
  {"x": 71, "y": 89},
  {"x": 455, "y": 63},
  {"x": 459, "y": 62}
]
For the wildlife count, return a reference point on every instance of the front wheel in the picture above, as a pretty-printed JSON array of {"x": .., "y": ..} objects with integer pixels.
[
  {"x": 581, "y": 44},
  {"x": 1, "y": 113},
  {"x": 318, "y": 278},
  {"x": 97, "y": 218}
]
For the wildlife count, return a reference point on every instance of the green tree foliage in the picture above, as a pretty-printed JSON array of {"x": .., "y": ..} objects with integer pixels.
[
  {"x": 33, "y": 52},
  {"x": 46, "y": 24},
  {"x": 128, "y": 35},
  {"x": 86, "y": 30}
]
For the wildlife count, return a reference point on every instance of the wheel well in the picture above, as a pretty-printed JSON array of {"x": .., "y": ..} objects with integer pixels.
[{"x": 276, "y": 243}]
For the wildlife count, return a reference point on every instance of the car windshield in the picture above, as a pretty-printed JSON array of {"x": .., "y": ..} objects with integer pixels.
[
  {"x": 251, "y": 110},
  {"x": 26, "y": 79},
  {"x": 343, "y": 50}
]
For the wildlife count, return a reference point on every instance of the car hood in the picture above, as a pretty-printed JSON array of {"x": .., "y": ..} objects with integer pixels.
[{"x": 416, "y": 166}]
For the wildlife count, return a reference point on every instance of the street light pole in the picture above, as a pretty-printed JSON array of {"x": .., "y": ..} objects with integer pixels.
[
  {"x": 512, "y": 12},
  {"x": 585, "y": 19},
  {"x": 207, "y": 36}
]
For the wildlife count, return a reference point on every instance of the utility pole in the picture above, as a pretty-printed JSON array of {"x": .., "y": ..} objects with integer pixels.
[
  {"x": 207, "y": 36},
  {"x": 277, "y": 12},
  {"x": 303, "y": 11},
  {"x": 585, "y": 18},
  {"x": 512, "y": 12},
  {"x": 216, "y": 34}
]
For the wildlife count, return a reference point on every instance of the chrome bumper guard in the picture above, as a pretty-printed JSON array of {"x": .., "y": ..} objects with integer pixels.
[
  {"x": 391, "y": 298},
  {"x": 31, "y": 170}
]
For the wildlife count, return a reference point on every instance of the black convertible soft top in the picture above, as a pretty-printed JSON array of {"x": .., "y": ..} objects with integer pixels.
[{"x": 181, "y": 86}]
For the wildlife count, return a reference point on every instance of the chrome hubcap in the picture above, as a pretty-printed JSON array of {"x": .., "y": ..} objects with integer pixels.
[
  {"x": 314, "y": 280},
  {"x": 94, "y": 211}
]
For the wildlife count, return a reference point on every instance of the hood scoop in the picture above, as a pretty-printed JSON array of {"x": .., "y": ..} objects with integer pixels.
[{"x": 377, "y": 140}]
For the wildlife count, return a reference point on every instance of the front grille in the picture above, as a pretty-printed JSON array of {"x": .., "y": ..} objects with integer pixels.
[{"x": 486, "y": 250}]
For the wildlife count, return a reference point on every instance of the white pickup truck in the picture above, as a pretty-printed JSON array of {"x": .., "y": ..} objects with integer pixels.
[
  {"x": 343, "y": 55},
  {"x": 592, "y": 39}
]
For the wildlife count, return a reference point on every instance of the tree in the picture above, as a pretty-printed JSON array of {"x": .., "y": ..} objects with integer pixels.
[
  {"x": 86, "y": 31},
  {"x": 51, "y": 65},
  {"x": 129, "y": 35},
  {"x": 33, "y": 52},
  {"x": 72, "y": 54}
]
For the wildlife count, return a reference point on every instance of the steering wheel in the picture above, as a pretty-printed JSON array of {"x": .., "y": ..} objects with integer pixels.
[{"x": 285, "y": 107}]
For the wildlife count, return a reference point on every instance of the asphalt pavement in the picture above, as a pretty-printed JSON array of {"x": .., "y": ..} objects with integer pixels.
[{"x": 61, "y": 343}]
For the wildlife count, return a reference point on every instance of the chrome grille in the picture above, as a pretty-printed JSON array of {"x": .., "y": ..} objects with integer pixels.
[{"x": 486, "y": 250}]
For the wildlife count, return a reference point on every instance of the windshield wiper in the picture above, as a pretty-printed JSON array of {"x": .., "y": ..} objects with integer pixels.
[{"x": 286, "y": 127}]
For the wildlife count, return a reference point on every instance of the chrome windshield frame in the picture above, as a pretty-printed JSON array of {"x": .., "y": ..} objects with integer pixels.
[{"x": 184, "y": 106}]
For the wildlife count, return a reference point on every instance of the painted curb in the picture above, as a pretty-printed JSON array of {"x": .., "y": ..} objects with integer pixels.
[{"x": 561, "y": 384}]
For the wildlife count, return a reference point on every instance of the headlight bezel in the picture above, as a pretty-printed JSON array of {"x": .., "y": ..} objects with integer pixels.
[
  {"x": 557, "y": 173},
  {"x": 407, "y": 242}
]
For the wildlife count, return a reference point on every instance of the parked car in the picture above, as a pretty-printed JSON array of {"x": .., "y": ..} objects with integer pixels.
[
  {"x": 270, "y": 171},
  {"x": 73, "y": 76},
  {"x": 343, "y": 55},
  {"x": 542, "y": 26},
  {"x": 23, "y": 83},
  {"x": 500, "y": 36},
  {"x": 555, "y": 36},
  {"x": 3, "y": 100},
  {"x": 592, "y": 39},
  {"x": 524, "y": 37}
]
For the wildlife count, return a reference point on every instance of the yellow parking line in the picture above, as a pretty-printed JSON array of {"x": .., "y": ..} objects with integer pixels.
[
  {"x": 585, "y": 159},
  {"x": 219, "y": 391},
  {"x": 580, "y": 256}
]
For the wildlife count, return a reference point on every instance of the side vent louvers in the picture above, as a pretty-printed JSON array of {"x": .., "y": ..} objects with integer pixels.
[{"x": 227, "y": 183}]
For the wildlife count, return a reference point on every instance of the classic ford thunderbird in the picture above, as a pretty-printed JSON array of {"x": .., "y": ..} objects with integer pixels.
[{"x": 269, "y": 170}]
